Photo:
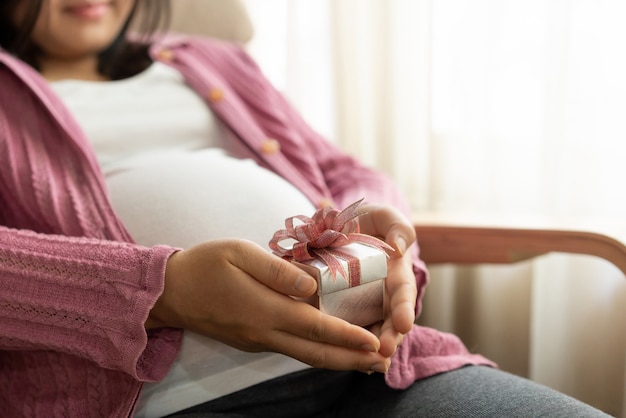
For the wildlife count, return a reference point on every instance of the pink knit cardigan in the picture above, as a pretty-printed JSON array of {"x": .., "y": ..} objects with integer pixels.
[{"x": 75, "y": 290}]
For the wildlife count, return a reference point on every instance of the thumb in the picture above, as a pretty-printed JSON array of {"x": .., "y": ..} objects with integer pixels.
[
  {"x": 400, "y": 236},
  {"x": 389, "y": 223}
]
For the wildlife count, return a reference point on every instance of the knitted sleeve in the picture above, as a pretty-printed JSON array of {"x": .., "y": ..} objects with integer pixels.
[
  {"x": 81, "y": 296},
  {"x": 71, "y": 281}
]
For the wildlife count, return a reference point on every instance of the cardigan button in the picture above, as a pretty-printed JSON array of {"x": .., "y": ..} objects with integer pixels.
[
  {"x": 325, "y": 203},
  {"x": 165, "y": 55},
  {"x": 216, "y": 95},
  {"x": 270, "y": 146}
]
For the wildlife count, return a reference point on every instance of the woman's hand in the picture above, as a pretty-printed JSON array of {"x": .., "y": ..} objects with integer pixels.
[
  {"x": 391, "y": 226},
  {"x": 238, "y": 293}
]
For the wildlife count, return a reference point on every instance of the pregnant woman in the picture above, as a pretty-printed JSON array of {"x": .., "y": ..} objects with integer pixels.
[{"x": 141, "y": 177}]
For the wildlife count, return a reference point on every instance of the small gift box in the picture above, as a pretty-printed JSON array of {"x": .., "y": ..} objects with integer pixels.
[{"x": 350, "y": 267}]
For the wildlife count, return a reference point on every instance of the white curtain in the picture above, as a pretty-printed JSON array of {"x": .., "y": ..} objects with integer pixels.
[{"x": 492, "y": 107}]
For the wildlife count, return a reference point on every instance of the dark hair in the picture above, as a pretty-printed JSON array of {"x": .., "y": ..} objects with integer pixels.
[{"x": 123, "y": 58}]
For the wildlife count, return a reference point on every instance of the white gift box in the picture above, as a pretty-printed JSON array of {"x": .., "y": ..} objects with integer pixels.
[{"x": 361, "y": 304}]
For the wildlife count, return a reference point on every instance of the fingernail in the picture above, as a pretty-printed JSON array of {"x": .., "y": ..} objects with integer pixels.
[
  {"x": 368, "y": 347},
  {"x": 305, "y": 284},
  {"x": 379, "y": 367},
  {"x": 401, "y": 245}
]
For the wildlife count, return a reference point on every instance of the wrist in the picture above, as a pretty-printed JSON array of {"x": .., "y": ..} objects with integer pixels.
[{"x": 161, "y": 313}]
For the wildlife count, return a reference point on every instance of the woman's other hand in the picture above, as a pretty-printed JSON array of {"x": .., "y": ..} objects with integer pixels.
[
  {"x": 240, "y": 294},
  {"x": 391, "y": 226}
]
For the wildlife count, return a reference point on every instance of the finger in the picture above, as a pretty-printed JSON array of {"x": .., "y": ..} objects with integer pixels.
[
  {"x": 311, "y": 324},
  {"x": 401, "y": 290},
  {"x": 273, "y": 271},
  {"x": 376, "y": 328},
  {"x": 389, "y": 223},
  {"x": 328, "y": 356},
  {"x": 390, "y": 339},
  {"x": 400, "y": 307}
]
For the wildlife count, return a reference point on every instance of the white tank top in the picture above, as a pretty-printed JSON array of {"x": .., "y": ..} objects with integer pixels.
[{"x": 172, "y": 181}]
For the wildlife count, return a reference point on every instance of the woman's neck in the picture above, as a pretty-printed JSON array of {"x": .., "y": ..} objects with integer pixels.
[{"x": 55, "y": 69}]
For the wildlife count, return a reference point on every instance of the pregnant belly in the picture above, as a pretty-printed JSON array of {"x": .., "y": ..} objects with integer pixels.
[{"x": 184, "y": 200}]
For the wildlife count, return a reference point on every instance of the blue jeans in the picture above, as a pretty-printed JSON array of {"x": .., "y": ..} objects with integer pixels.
[{"x": 474, "y": 391}]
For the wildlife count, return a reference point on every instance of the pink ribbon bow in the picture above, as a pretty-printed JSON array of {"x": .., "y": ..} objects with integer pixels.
[{"x": 320, "y": 236}]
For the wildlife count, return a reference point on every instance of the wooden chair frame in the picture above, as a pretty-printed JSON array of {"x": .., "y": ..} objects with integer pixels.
[{"x": 450, "y": 239}]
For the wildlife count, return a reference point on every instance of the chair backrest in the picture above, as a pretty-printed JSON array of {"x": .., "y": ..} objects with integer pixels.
[{"x": 224, "y": 19}]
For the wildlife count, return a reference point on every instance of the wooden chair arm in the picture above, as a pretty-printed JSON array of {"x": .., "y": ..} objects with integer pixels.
[{"x": 443, "y": 240}]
